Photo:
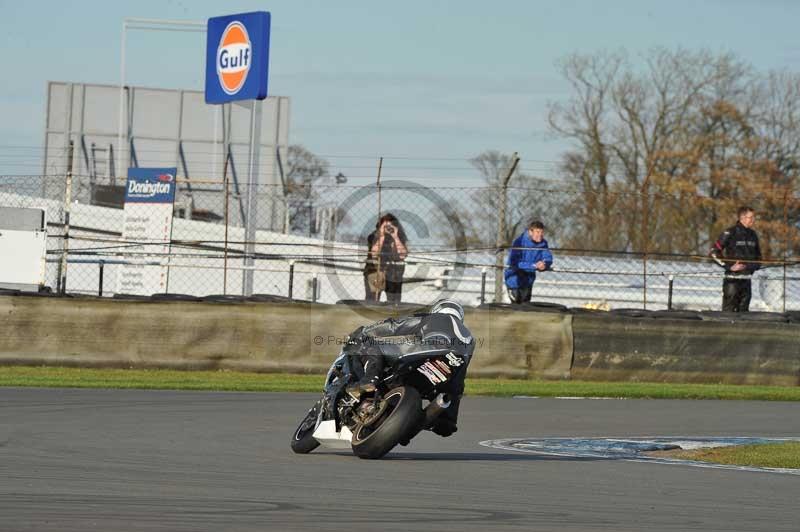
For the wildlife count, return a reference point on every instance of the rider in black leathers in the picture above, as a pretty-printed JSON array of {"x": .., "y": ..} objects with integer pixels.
[
  {"x": 738, "y": 251},
  {"x": 442, "y": 327}
]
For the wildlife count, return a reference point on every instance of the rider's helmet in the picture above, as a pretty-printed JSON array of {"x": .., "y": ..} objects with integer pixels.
[{"x": 448, "y": 306}]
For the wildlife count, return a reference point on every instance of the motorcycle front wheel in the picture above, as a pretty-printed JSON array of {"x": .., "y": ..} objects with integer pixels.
[
  {"x": 303, "y": 441},
  {"x": 399, "y": 413}
]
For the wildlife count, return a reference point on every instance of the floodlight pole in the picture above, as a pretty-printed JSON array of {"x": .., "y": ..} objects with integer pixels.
[
  {"x": 151, "y": 24},
  {"x": 251, "y": 197}
]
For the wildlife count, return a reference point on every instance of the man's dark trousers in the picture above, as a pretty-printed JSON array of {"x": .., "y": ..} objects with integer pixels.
[
  {"x": 520, "y": 295},
  {"x": 736, "y": 295}
]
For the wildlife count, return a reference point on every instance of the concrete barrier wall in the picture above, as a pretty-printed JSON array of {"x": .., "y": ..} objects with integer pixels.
[
  {"x": 294, "y": 337},
  {"x": 609, "y": 348},
  {"x": 305, "y": 338}
]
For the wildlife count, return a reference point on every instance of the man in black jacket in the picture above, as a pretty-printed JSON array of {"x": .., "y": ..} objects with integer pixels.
[
  {"x": 441, "y": 329},
  {"x": 737, "y": 251}
]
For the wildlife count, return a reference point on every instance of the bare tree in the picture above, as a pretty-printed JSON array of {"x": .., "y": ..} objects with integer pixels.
[
  {"x": 527, "y": 198},
  {"x": 663, "y": 149},
  {"x": 586, "y": 118},
  {"x": 303, "y": 168}
]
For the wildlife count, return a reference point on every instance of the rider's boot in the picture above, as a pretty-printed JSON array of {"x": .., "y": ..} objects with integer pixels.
[
  {"x": 361, "y": 388},
  {"x": 373, "y": 367}
]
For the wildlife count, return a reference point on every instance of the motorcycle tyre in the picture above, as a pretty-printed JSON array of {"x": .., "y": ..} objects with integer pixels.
[
  {"x": 401, "y": 421},
  {"x": 303, "y": 441}
]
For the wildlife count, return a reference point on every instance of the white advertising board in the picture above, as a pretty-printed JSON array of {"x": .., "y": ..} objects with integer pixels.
[{"x": 149, "y": 199}]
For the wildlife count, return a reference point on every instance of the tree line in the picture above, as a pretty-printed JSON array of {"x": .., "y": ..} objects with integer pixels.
[
  {"x": 662, "y": 150},
  {"x": 665, "y": 148}
]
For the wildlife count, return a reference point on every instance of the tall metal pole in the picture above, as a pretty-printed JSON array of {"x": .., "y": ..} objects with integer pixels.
[
  {"x": 501, "y": 232},
  {"x": 226, "y": 199},
  {"x": 121, "y": 96},
  {"x": 251, "y": 202},
  {"x": 378, "y": 183},
  {"x": 786, "y": 242},
  {"x": 62, "y": 284}
]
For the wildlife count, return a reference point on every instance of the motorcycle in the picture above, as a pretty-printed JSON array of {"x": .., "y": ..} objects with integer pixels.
[{"x": 373, "y": 425}]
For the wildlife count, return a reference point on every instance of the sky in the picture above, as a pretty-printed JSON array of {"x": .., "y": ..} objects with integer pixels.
[{"x": 425, "y": 84}]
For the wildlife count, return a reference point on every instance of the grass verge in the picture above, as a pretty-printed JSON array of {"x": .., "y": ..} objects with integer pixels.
[
  {"x": 47, "y": 376},
  {"x": 783, "y": 455}
]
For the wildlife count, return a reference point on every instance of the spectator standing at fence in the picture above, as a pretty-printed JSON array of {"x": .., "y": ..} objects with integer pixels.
[
  {"x": 386, "y": 253},
  {"x": 737, "y": 250},
  {"x": 529, "y": 254}
]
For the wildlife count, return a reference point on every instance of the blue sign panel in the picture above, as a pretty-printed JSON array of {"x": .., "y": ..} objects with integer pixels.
[
  {"x": 150, "y": 185},
  {"x": 237, "y": 57}
]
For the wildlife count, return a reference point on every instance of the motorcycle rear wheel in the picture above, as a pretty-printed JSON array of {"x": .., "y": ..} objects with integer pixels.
[
  {"x": 303, "y": 441},
  {"x": 400, "y": 415}
]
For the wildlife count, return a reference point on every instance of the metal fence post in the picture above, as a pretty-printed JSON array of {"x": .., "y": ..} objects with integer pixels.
[
  {"x": 62, "y": 283},
  {"x": 378, "y": 184},
  {"x": 291, "y": 278},
  {"x": 669, "y": 296},
  {"x": 483, "y": 285},
  {"x": 102, "y": 265},
  {"x": 501, "y": 232}
]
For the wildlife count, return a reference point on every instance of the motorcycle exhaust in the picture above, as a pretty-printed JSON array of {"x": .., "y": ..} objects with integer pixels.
[
  {"x": 440, "y": 403},
  {"x": 434, "y": 410}
]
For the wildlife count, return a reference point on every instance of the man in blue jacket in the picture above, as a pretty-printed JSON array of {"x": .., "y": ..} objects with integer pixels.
[{"x": 528, "y": 255}]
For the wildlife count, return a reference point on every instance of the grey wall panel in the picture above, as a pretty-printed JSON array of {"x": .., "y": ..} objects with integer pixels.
[
  {"x": 204, "y": 160},
  {"x": 56, "y": 161},
  {"x": 156, "y": 153},
  {"x": 57, "y": 98},
  {"x": 101, "y": 113},
  {"x": 198, "y": 118},
  {"x": 156, "y": 113},
  {"x": 76, "y": 115}
]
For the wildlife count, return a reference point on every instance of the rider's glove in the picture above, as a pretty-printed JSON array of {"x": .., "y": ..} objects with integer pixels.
[
  {"x": 356, "y": 337},
  {"x": 444, "y": 427}
]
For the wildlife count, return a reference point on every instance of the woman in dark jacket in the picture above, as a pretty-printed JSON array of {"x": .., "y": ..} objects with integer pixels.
[{"x": 386, "y": 251}]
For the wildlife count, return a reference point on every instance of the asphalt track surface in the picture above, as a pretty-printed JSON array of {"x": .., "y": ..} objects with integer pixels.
[{"x": 111, "y": 460}]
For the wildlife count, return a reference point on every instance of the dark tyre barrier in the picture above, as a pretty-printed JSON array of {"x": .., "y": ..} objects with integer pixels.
[
  {"x": 399, "y": 416},
  {"x": 356, "y": 302},
  {"x": 174, "y": 297},
  {"x": 762, "y": 316},
  {"x": 533, "y": 306},
  {"x": 269, "y": 298},
  {"x": 632, "y": 312},
  {"x": 676, "y": 314},
  {"x": 717, "y": 315},
  {"x": 303, "y": 441},
  {"x": 793, "y": 316},
  {"x": 591, "y": 311},
  {"x": 9, "y": 292},
  {"x": 131, "y": 297},
  {"x": 381, "y": 304},
  {"x": 540, "y": 306},
  {"x": 45, "y": 294},
  {"x": 224, "y": 298}
]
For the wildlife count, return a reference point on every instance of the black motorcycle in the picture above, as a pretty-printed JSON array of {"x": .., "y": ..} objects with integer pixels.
[{"x": 373, "y": 425}]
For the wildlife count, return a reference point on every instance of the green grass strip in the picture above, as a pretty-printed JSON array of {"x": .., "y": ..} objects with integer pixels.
[
  {"x": 47, "y": 376},
  {"x": 784, "y": 455}
]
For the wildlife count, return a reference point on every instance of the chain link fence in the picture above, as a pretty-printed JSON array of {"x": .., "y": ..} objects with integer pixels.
[{"x": 310, "y": 243}]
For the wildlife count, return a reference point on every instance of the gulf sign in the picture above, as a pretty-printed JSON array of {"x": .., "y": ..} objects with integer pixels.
[
  {"x": 237, "y": 57},
  {"x": 150, "y": 185}
]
